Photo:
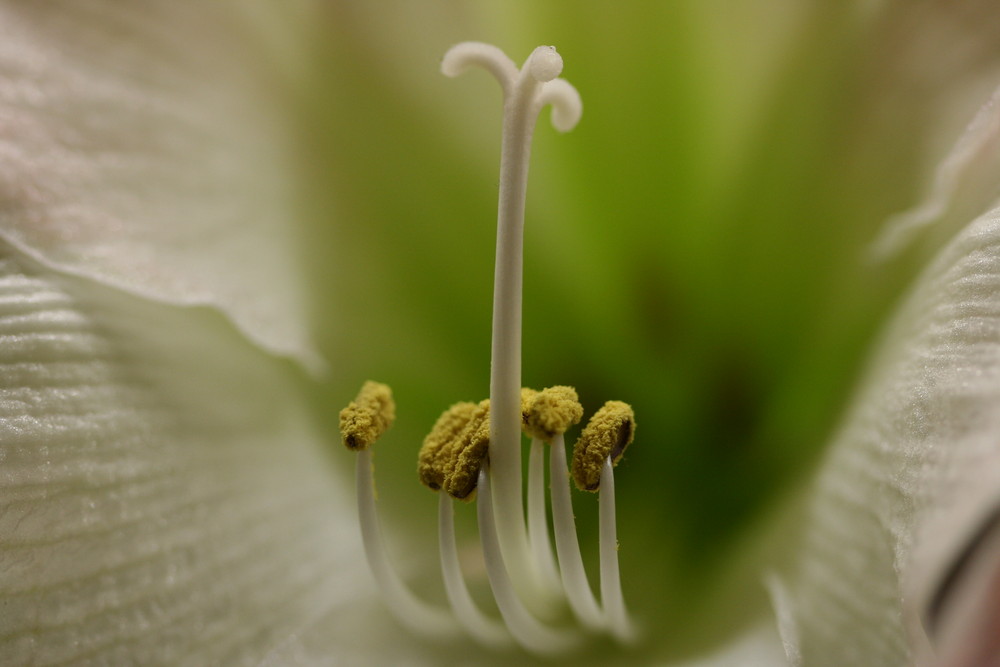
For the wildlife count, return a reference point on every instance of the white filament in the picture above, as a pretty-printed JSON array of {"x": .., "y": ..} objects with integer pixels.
[
  {"x": 538, "y": 525},
  {"x": 408, "y": 609},
  {"x": 611, "y": 589},
  {"x": 483, "y": 629},
  {"x": 526, "y": 630},
  {"x": 574, "y": 577}
]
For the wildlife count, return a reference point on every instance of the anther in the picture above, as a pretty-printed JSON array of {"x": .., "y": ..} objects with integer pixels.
[
  {"x": 432, "y": 464},
  {"x": 527, "y": 397},
  {"x": 608, "y": 433},
  {"x": 551, "y": 412},
  {"x": 368, "y": 416},
  {"x": 471, "y": 447}
]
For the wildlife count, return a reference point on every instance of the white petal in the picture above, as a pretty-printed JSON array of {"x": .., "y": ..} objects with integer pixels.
[
  {"x": 966, "y": 183},
  {"x": 163, "y": 497},
  {"x": 760, "y": 647},
  {"x": 139, "y": 147},
  {"x": 914, "y": 471}
]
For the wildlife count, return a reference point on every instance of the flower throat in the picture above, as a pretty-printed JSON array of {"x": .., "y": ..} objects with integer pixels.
[{"x": 473, "y": 452}]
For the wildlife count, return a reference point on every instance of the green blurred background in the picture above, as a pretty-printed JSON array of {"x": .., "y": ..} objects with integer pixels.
[{"x": 696, "y": 246}]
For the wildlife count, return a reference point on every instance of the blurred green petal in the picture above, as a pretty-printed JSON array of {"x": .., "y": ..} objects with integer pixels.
[{"x": 967, "y": 181}]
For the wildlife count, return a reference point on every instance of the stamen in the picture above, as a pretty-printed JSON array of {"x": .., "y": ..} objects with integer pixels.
[
  {"x": 527, "y": 399},
  {"x": 608, "y": 433},
  {"x": 467, "y": 455},
  {"x": 368, "y": 416},
  {"x": 551, "y": 412},
  {"x": 602, "y": 444},
  {"x": 545, "y": 414},
  {"x": 523, "y": 99},
  {"x": 363, "y": 421},
  {"x": 432, "y": 459},
  {"x": 442, "y": 444},
  {"x": 526, "y": 630}
]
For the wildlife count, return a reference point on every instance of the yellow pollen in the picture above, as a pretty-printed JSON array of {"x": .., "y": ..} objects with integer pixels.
[
  {"x": 527, "y": 397},
  {"x": 551, "y": 412},
  {"x": 368, "y": 416},
  {"x": 607, "y": 434},
  {"x": 433, "y": 456},
  {"x": 470, "y": 450}
]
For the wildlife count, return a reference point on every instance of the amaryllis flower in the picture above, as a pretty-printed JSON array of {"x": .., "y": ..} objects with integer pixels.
[{"x": 217, "y": 221}]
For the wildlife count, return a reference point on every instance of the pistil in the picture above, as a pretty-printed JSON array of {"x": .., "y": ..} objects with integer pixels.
[
  {"x": 474, "y": 449},
  {"x": 524, "y": 95}
]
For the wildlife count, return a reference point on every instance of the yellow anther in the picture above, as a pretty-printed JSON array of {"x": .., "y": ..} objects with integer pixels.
[
  {"x": 550, "y": 412},
  {"x": 432, "y": 462},
  {"x": 368, "y": 416},
  {"x": 467, "y": 457},
  {"x": 527, "y": 397},
  {"x": 607, "y": 434}
]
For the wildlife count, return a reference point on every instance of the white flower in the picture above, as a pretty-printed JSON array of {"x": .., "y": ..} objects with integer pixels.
[{"x": 168, "y": 491}]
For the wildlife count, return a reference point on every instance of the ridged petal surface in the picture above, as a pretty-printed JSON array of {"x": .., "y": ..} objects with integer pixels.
[
  {"x": 914, "y": 472},
  {"x": 144, "y": 145},
  {"x": 163, "y": 497}
]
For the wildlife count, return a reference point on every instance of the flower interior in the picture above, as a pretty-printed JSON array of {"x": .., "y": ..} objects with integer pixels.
[{"x": 473, "y": 452}]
